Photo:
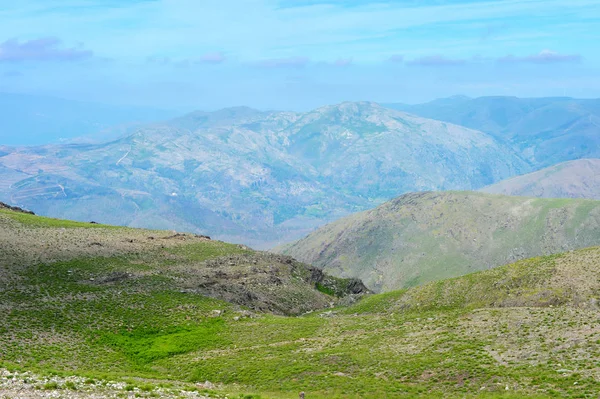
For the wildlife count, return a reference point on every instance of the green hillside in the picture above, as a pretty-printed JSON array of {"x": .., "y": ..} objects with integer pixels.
[
  {"x": 126, "y": 314},
  {"x": 428, "y": 236},
  {"x": 107, "y": 262}
]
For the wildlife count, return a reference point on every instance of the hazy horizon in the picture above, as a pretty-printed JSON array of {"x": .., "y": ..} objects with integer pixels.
[{"x": 180, "y": 111}]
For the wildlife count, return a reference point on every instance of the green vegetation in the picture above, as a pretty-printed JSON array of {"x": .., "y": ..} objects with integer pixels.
[
  {"x": 145, "y": 345},
  {"x": 39, "y": 221},
  {"x": 202, "y": 252},
  {"x": 135, "y": 314},
  {"x": 422, "y": 237}
]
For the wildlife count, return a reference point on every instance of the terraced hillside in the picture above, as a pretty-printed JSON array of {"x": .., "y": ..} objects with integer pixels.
[
  {"x": 117, "y": 309},
  {"x": 428, "y": 236}
]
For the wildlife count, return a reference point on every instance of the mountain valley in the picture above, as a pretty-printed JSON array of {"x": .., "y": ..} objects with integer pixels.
[{"x": 252, "y": 177}]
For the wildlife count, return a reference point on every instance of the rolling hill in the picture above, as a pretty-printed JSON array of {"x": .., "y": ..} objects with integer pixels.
[
  {"x": 259, "y": 178},
  {"x": 572, "y": 179},
  {"x": 546, "y": 130},
  {"x": 420, "y": 237},
  {"x": 90, "y": 255},
  {"x": 101, "y": 311}
]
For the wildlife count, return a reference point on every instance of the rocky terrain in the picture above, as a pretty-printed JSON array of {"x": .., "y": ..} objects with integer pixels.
[
  {"x": 252, "y": 177},
  {"x": 21, "y": 385},
  {"x": 14, "y": 208},
  {"x": 93, "y": 255},
  {"x": 572, "y": 179},
  {"x": 421, "y": 237}
]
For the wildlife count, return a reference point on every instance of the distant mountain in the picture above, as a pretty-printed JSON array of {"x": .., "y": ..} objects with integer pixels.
[
  {"x": 33, "y": 120},
  {"x": 250, "y": 176},
  {"x": 420, "y": 237},
  {"x": 572, "y": 179},
  {"x": 546, "y": 130}
]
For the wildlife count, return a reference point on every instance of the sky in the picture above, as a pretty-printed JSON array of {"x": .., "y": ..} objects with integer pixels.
[{"x": 297, "y": 54}]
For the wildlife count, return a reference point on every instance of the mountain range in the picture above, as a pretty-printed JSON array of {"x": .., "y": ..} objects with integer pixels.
[
  {"x": 420, "y": 237},
  {"x": 546, "y": 131},
  {"x": 250, "y": 176},
  {"x": 159, "y": 313}
]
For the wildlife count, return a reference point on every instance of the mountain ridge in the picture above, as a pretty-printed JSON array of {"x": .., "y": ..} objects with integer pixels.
[
  {"x": 250, "y": 176},
  {"x": 420, "y": 237},
  {"x": 547, "y": 130}
]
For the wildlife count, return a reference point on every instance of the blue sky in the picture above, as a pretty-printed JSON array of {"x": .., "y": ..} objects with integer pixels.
[{"x": 297, "y": 54}]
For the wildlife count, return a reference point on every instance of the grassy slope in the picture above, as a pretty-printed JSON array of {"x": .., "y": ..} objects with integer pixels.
[
  {"x": 573, "y": 179},
  {"x": 454, "y": 338},
  {"x": 422, "y": 237},
  {"x": 92, "y": 255}
]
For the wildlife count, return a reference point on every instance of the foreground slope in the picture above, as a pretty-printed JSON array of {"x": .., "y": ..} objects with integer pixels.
[
  {"x": 88, "y": 258},
  {"x": 421, "y": 237},
  {"x": 253, "y": 177},
  {"x": 525, "y": 330},
  {"x": 573, "y": 179}
]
